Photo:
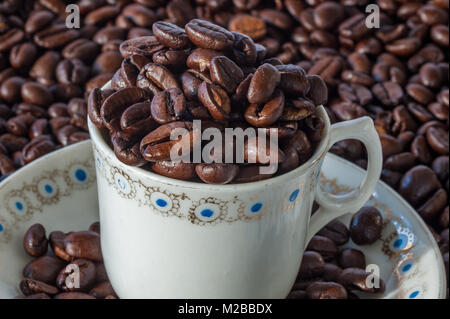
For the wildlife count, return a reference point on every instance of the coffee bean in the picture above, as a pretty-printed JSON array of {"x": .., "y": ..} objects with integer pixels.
[
  {"x": 168, "y": 106},
  {"x": 82, "y": 49},
  {"x": 37, "y": 147},
  {"x": 55, "y": 36},
  {"x": 332, "y": 272},
  {"x": 114, "y": 105},
  {"x": 215, "y": 99},
  {"x": 216, "y": 173},
  {"x": 419, "y": 93},
  {"x": 356, "y": 279},
  {"x": 326, "y": 290},
  {"x": 434, "y": 205},
  {"x": 324, "y": 246},
  {"x": 250, "y": 173},
  {"x": 200, "y": 59},
  {"x": 209, "y": 36},
  {"x": 10, "y": 38},
  {"x": 419, "y": 148},
  {"x": 73, "y": 295},
  {"x": 438, "y": 140},
  {"x": 23, "y": 55},
  {"x": 267, "y": 114},
  {"x": 174, "y": 169},
  {"x": 252, "y": 26},
  {"x": 156, "y": 146},
  {"x": 351, "y": 258},
  {"x": 336, "y": 231},
  {"x": 400, "y": 162},
  {"x": 244, "y": 50},
  {"x": 81, "y": 270},
  {"x": 388, "y": 93},
  {"x": 404, "y": 47},
  {"x": 156, "y": 78},
  {"x": 318, "y": 92},
  {"x": 328, "y": 15},
  {"x": 312, "y": 265},
  {"x": 145, "y": 46},
  {"x": 170, "y": 35},
  {"x": 102, "y": 290},
  {"x": 418, "y": 183},
  {"x": 35, "y": 93},
  {"x": 44, "y": 269},
  {"x": 439, "y": 34},
  {"x": 30, "y": 286},
  {"x": 440, "y": 167},
  {"x": 84, "y": 244},
  {"x": 366, "y": 226},
  {"x": 56, "y": 239},
  {"x": 263, "y": 83},
  {"x": 35, "y": 242},
  {"x": 293, "y": 80},
  {"x": 226, "y": 73}
]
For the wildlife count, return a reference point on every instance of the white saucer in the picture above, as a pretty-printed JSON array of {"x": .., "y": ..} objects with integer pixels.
[{"x": 59, "y": 191}]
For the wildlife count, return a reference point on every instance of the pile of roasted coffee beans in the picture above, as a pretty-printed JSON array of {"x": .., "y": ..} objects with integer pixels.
[
  {"x": 73, "y": 269},
  {"x": 397, "y": 74},
  {"x": 205, "y": 72},
  {"x": 331, "y": 272}
]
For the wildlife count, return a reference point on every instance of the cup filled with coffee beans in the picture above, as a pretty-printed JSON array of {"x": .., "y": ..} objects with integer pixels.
[{"x": 207, "y": 160}]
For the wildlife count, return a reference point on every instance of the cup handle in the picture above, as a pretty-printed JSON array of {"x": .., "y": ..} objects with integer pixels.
[{"x": 333, "y": 206}]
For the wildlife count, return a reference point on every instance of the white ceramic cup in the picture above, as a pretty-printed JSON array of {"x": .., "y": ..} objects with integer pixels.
[{"x": 167, "y": 238}]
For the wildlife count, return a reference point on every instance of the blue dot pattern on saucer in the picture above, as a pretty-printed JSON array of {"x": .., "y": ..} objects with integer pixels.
[
  {"x": 207, "y": 213},
  {"x": 414, "y": 294},
  {"x": 48, "y": 188},
  {"x": 80, "y": 175},
  {"x": 406, "y": 267},
  {"x": 19, "y": 205},
  {"x": 161, "y": 202},
  {"x": 1, "y": 228},
  {"x": 256, "y": 207}
]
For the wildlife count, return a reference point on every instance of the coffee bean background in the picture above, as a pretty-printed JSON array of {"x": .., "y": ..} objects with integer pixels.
[
  {"x": 71, "y": 255},
  {"x": 397, "y": 74}
]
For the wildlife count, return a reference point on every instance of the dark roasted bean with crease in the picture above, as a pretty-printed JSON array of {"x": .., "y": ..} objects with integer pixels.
[
  {"x": 356, "y": 279},
  {"x": 83, "y": 244},
  {"x": 366, "y": 226},
  {"x": 35, "y": 241}
]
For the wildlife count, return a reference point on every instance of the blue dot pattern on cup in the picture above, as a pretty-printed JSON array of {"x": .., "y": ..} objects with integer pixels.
[
  {"x": 256, "y": 207},
  {"x": 207, "y": 213},
  {"x": 121, "y": 183},
  {"x": 161, "y": 202},
  {"x": 294, "y": 195},
  {"x": 48, "y": 188},
  {"x": 414, "y": 294},
  {"x": 80, "y": 175},
  {"x": 1, "y": 228}
]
